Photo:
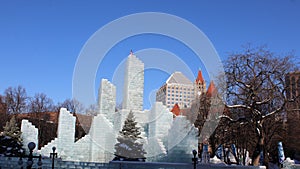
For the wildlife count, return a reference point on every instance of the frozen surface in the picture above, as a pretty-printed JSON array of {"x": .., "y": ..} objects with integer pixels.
[
  {"x": 107, "y": 99},
  {"x": 29, "y": 134},
  {"x": 182, "y": 139},
  {"x": 133, "y": 84},
  {"x": 103, "y": 139}
]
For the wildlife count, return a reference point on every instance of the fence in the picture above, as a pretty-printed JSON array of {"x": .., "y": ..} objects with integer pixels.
[{"x": 12, "y": 163}]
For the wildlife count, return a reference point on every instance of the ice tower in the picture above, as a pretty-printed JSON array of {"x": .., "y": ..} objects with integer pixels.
[
  {"x": 107, "y": 99},
  {"x": 133, "y": 84}
]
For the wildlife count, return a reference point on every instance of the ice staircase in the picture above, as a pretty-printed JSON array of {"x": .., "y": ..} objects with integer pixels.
[
  {"x": 47, "y": 149},
  {"x": 29, "y": 133},
  {"x": 162, "y": 146}
]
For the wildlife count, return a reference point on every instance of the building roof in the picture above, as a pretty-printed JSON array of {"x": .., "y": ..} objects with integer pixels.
[
  {"x": 200, "y": 77},
  {"x": 47, "y": 116},
  {"x": 176, "y": 110},
  {"x": 179, "y": 78},
  {"x": 82, "y": 119},
  {"x": 211, "y": 89}
]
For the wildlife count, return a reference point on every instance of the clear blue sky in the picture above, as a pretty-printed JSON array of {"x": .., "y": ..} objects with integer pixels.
[{"x": 41, "y": 40}]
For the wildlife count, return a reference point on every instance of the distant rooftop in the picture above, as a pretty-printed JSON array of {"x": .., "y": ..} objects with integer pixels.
[
  {"x": 200, "y": 77},
  {"x": 178, "y": 77}
]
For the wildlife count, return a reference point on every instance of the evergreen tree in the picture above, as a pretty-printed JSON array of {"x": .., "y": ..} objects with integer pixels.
[
  {"x": 129, "y": 146},
  {"x": 12, "y": 130},
  {"x": 10, "y": 139}
]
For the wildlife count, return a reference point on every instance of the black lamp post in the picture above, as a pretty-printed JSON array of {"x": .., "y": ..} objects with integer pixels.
[
  {"x": 195, "y": 159},
  {"x": 53, "y": 155},
  {"x": 31, "y": 146},
  {"x": 20, "y": 162}
]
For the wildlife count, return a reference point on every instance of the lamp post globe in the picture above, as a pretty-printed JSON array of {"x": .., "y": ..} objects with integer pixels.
[
  {"x": 53, "y": 155},
  {"x": 31, "y": 146},
  {"x": 29, "y": 163},
  {"x": 194, "y": 153},
  {"x": 195, "y": 159},
  {"x": 53, "y": 149}
]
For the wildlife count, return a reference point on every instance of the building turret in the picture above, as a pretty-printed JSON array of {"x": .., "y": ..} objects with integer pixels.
[{"x": 200, "y": 85}]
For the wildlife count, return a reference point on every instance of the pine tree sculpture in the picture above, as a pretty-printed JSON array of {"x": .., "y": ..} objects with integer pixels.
[{"x": 129, "y": 147}]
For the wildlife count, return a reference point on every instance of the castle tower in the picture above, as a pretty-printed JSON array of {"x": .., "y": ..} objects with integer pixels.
[
  {"x": 133, "y": 84},
  {"x": 200, "y": 85},
  {"x": 211, "y": 91}
]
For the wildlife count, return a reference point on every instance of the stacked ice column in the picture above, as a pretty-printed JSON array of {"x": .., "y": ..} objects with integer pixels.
[
  {"x": 132, "y": 93},
  {"x": 102, "y": 132},
  {"x": 102, "y": 139},
  {"x": 160, "y": 121},
  {"x": 107, "y": 99},
  {"x": 66, "y": 134},
  {"x": 29, "y": 134},
  {"x": 182, "y": 139},
  {"x": 133, "y": 84}
]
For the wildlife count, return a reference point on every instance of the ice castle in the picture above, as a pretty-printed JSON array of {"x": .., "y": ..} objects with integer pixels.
[{"x": 165, "y": 138}]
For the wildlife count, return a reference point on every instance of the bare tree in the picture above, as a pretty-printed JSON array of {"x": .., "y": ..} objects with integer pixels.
[
  {"x": 255, "y": 82},
  {"x": 93, "y": 110},
  {"x": 40, "y": 103},
  {"x": 72, "y": 105},
  {"x": 274, "y": 132},
  {"x": 208, "y": 107},
  {"x": 15, "y": 99},
  {"x": 3, "y": 113}
]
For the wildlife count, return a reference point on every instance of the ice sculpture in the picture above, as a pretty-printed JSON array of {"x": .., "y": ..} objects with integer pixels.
[{"x": 164, "y": 138}]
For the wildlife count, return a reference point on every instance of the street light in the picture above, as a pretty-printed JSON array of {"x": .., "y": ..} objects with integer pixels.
[
  {"x": 31, "y": 146},
  {"x": 195, "y": 159},
  {"x": 20, "y": 162},
  {"x": 29, "y": 163},
  {"x": 53, "y": 155}
]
